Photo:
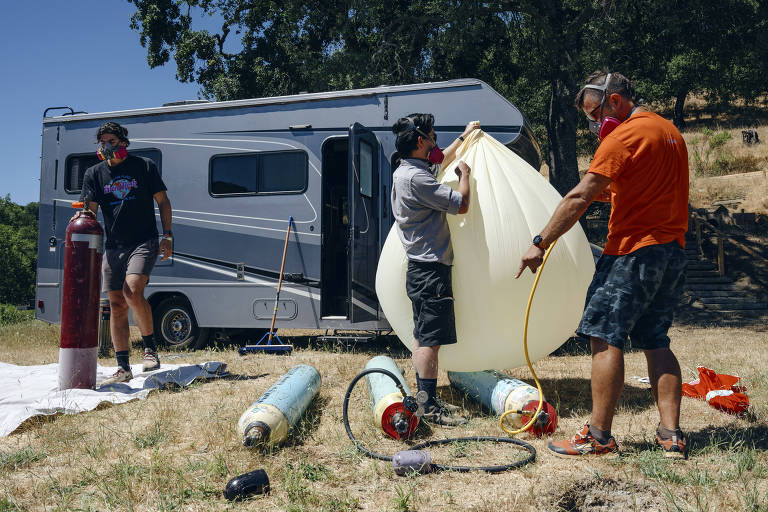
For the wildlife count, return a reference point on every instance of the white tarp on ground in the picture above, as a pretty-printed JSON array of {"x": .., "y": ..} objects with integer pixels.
[{"x": 27, "y": 391}]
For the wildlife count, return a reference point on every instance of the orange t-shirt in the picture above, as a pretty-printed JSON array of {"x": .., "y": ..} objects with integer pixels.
[{"x": 647, "y": 161}]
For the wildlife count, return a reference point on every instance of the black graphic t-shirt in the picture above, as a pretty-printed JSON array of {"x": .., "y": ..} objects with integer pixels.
[{"x": 125, "y": 196}]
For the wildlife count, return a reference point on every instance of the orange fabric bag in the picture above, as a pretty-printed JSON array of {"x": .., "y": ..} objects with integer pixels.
[{"x": 721, "y": 391}]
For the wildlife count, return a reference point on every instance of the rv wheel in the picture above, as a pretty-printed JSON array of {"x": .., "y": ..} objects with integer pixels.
[{"x": 176, "y": 327}]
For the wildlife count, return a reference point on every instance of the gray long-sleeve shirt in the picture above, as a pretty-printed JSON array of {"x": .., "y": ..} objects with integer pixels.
[{"x": 420, "y": 205}]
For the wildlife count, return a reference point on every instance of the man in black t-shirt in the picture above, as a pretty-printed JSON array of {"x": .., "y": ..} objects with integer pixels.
[{"x": 126, "y": 188}]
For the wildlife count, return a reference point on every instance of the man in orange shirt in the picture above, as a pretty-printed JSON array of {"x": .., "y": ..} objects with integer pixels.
[{"x": 641, "y": 167}]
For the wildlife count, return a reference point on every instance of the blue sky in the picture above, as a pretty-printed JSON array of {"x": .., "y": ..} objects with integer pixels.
[{"x": 80, "y": 53}]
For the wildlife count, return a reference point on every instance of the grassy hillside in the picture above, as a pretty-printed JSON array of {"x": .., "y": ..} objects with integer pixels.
[{"x": 722, "y": 167}]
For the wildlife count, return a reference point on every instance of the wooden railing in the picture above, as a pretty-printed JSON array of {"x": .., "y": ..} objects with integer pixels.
[{"x": 700, "y": 222}]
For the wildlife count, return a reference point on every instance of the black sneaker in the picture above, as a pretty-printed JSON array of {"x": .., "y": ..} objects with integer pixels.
[{"x": 437, "y": 415}]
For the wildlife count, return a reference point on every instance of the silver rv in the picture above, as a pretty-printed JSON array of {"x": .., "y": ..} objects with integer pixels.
[{"x": 236, "y": 171}]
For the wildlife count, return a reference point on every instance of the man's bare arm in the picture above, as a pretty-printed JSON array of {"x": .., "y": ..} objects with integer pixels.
[
  {"x": 166, "y": 216},
  {"x": 463, "y": 171},
  {"x": 164, "y": 205}
]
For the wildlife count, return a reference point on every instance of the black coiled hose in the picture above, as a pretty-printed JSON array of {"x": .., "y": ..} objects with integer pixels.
[{"x": 435, "y": 442}]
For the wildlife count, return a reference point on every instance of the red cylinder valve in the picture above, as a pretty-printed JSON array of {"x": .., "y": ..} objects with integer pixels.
[{"x": 546, "y": 421}]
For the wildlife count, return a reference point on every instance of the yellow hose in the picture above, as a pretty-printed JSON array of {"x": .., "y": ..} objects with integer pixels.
[{"x": 527, "y": 357}]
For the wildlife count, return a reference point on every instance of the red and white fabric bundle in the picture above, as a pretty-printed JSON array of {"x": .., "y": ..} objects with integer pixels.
[{"x": 721, "y": 391}]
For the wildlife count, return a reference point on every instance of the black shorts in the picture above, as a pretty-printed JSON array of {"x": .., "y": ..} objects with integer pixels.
[
  {"x": 429, "y": 287},
  {"x": 131, "y": 259}
]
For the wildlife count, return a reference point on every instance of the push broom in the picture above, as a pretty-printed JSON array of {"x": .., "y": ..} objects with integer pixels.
[{"x": 269, "y": 346}]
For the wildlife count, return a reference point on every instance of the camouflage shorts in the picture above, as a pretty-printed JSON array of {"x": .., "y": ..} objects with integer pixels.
[{"x": 635, "y": 295}]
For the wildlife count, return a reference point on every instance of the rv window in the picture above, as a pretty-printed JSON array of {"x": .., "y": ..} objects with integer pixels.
[
  {"x": 75, "y": 170},
  {"x": 366, "y": 169},
  {"x": 78, "y": 164},
  {"x": 152, "y": 154},
  {"x": 281, "y": 172}
]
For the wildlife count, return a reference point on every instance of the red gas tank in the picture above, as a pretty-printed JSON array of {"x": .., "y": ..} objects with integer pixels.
[{"x": 78, "y": 350}]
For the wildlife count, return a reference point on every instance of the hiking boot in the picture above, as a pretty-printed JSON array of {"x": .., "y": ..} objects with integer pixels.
[
  {"x": 445, "y": 406},
  {"x": 674, "y": 447},
  {"x": 151, "y": 360},
  {"x": 583, "y": 443},
  {"x": 120, "y": 375},
  {"x": 437, "y": 415}
]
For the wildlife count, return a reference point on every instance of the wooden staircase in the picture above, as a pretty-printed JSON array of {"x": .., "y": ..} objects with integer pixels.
[{"x": 715, "y": 296}]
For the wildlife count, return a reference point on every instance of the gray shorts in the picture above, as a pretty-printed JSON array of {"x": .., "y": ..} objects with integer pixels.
[{"x": 127, "y": 259}]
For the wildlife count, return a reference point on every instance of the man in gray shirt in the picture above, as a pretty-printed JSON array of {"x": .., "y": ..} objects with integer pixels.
[{"x": 420, "y": 205}]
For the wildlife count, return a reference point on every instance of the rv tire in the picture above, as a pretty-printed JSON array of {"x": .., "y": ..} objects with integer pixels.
[{"x": 176, "y": 327}]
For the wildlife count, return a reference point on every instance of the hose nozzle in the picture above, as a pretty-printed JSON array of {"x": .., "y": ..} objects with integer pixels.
[{"x": 541, "y": 420}]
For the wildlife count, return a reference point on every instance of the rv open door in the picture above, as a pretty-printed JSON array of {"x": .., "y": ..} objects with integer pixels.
[{"x": 363, "y": 250}]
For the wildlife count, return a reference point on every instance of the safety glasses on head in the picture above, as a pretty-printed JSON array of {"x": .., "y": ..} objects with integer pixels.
[
  {"x": 412, "y": 127},
  {"x": 591, "y": 115},
  {"x": 436, "y": 155}
]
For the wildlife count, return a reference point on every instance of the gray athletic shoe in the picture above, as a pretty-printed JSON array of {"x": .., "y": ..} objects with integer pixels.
[
  {"x": 437, "y": 415},
  {"x": 449, "y": 408},
  {"x": 119, "y": 376},
  {"x": 151, "y": 360}
]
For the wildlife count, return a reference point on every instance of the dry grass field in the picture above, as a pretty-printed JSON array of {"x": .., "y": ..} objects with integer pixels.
[
  {"x": 730, "y": 171},
  {"x": 722, "y": 167},
  {"x": 177, "y": 449}
]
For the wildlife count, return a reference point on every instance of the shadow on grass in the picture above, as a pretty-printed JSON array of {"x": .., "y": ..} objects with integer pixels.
[
  {"x": 692, "y": 316},
  {"x": 237, "y": 376},
  {"x": 569, "y": 396},
  {"x": 573, "y": 396},
  {"x": 731, "y": 437},
  {"x": 725, "y": 439},
  {"x": 575, "y": 346},
  {"x": 578, "y": 346},
  {"x": 387, "y": 345},
  {"x": 720, "y": 116},
  {"x": 307, "y": 425}
]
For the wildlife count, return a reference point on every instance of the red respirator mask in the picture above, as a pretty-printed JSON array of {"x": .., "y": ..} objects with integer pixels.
[
  {"x": 604, "y": 127},
  {"x": 436, "y": 155}
]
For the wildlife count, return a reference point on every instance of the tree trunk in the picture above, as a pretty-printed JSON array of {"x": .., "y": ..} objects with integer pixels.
[
  {"x": 679, "y": 118},
  {"x": 561, "y": 132}
]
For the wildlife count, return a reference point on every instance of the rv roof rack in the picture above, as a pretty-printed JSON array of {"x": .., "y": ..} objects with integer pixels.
[
  {"x": 45, "y": 112},
  {"x": 70, "y": 113},
  {"x": 184, "y": 102}
]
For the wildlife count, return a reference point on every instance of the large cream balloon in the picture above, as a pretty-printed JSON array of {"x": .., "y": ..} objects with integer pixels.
[{"x": 510, "y": 203}]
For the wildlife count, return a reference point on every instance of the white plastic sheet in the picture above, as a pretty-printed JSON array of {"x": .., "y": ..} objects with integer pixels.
[
  {"x": 510, "y": 203},
  {"x": 27, "y": 391}
]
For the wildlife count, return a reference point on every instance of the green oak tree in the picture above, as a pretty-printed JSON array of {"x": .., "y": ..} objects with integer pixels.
[
  {"x": 534, "y": 52},
  {"x": 18, "y": 251}
]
